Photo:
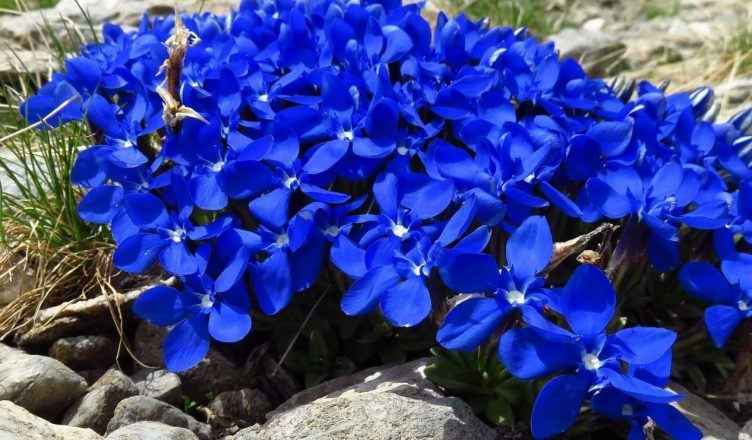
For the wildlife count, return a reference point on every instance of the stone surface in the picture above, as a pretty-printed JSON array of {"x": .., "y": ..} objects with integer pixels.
[
  {"x": 159, "y": 384},
  {"x": 29, "y": 29},
  {"x": 17, "y": 423},
  {"x": 95, "y": 409},
  {"x": 40, "y": 384},
  {"x": 85, "y": 352},
  {"x": 746, "y": 431},
  {"x": 233, "y": 410},
  {"x": 145, "y": 409},
  {"x": 396, "y": 402},
  {"x": 709, "y": 419},
  {"x": 599, "y": 52},
  {"x": 151, "y": 431}
]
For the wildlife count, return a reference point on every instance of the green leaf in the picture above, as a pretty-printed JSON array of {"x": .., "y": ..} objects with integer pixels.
[
  {"x": 317, "y": 346},
  {"x": 499, "y": 411}
]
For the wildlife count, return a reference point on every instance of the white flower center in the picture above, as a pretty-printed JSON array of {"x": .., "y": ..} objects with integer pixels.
[
  {"x": 263, "y": 98},
  {"x": 217, "y": 167},
  {"x": 283, "y": 240},
  {"x": 591, "y": 362},
  {"x": 399, "y": 230},
  {"x": 289, "y": 182},
  {"x": 332, "y": 231},
  {"x": 206, "y": 301},
  {"x": 627, "y": 410},
  {"x": 177, "y": 235},
  {"x": 402, "y": 151},
  {"x": 515, "y": 297},
  {"x": 346, "y": 135},
  {"x": 743, "y": 306}
]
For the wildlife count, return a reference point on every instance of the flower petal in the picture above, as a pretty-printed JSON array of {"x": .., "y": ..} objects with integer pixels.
[
  {"x": 407, "y": 303},
  {"x": 160, "y": 305},
  {"x": 558, "y": 404},
  {"x": 530, "y": 248},
  {"x": 187, "y": 344},
  {"x": 470, "y": 323},
  {"x": 138, "y": 252},
  {"x": 228, "y": 324},
  {"x": 721, "y": 321},
  {"x": 528, "y": 355},
  {"x": 468, "y": 272},
  {"x": 704, "y": 281},
  {"x": 366, "y": 292},
  {"x": 587, "y": 301}
]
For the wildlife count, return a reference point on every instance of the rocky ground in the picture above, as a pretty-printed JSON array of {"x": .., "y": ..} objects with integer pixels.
[{"x": 61, "y": 381}]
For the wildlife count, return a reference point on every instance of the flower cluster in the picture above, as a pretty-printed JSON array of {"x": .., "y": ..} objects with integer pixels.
[{"x": 289, "y": 143}]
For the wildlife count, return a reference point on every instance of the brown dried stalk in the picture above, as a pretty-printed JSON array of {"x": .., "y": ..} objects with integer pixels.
[{"x": 177, "y": 46}]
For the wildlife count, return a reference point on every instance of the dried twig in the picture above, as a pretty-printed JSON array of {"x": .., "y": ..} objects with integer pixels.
[
  {"x": 177, "y": 46},
  {"x": 563, "y": 250}
]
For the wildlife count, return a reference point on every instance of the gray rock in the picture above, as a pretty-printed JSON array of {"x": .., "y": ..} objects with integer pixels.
[
  {"x": 233, "y": 410},
  {"x": 145, "y": 409},
  {"x": 395, "y": 402},
  {"x": 95, "y": 409},
  {"x": 85, "y": 352},
  {"x": 40, "y": 384},
  {"x": 746, "y": 432},
  {"x": 709, "y": 419},
  {"x": 18, "y": 424},
  {"x": 67, "y": 18},
  {"x": 151, "y": 431},
  {"x": 215, "y": 373},
  {"x": 736, "y": 91},
  {"x": 159, "y": 384},
  {"x": 599, "y": 52}
]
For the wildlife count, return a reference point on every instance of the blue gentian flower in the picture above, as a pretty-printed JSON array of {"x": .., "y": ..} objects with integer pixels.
[
  {"x": 517, "y": 285},
  {"x": 592, "y": 356},
  {"x": 729, "y": 289},
  {"x": 206, "y": 308}
]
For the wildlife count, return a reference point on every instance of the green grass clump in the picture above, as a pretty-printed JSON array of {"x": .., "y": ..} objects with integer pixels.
[
  {"x": 659, "y": 9},
  {"x": 43, "y": 241},
  {"x": 541, "y": 17},
  {"x": 24, "y": 5}
]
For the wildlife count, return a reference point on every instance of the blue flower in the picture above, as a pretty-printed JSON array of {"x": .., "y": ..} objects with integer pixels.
[
  {"x": 517, "y": 285},
  {"x": 592, "y": 356},
  {"x": 729, "y": 289},
  {"x": 163, "y": 235},
  {"x": 205, "y": 309},
  {"x": 393, "y": 273}
]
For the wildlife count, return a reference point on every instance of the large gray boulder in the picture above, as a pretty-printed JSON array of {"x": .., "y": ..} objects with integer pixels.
[
  {"x": 145, "y": 409},
  {"x": 395, "y": 402},
  {"x": 151, "y": 431},
  {"x": 95, "y": 409},
  {"x": 18, "y": 424},
  {"x": 40, "y": 384}
]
